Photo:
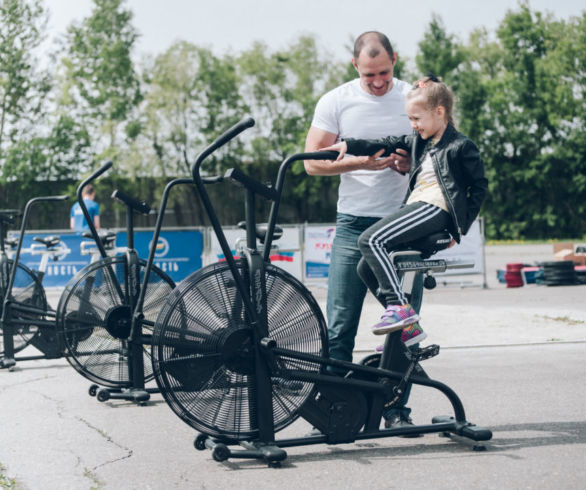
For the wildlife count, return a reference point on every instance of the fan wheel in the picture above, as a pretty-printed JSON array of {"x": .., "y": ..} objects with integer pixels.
[
  {"x": 94, "y": 317},
  {"x": 203, "y": 350},
  {"x": 27, "y": 290}
]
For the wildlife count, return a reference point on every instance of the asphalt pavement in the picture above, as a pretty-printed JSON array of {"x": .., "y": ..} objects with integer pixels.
[{"x": 515, "y": 356}]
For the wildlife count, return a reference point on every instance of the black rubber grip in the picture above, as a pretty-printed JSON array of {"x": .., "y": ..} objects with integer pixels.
[
  {"x": 92, "y": 177},
  {"x": 9, "y": 215},
  {"x": 250, "y": 183},
  {"x": 320, "y": 155},
  {"x": 56, "y": 198},
  {"x": 7, "y": 219},
  {"x": 233, "y": 132},
  {"x": 140, "y": 206},
  {"x": 101, "y": 170},
  {"x": 213, "y": 180}
]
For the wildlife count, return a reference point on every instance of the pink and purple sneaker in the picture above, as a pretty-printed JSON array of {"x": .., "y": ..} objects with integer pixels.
[
  {"x": 411, "y": 335},
  {"x": 395, "y": 318}
]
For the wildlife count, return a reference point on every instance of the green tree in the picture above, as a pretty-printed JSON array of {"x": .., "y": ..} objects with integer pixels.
[
  {"x": 281, "y": 89},
  {"x": 521, "y": 99},
  {"x": 439, "y": 52},
  {"x": 100, "y": 88},
  {"x": 23, "y": 87},
  {"x": 191, "y": 97}
]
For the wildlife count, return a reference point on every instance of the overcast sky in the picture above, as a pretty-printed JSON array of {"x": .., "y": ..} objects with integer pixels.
[{"x": 234, "y": 24}]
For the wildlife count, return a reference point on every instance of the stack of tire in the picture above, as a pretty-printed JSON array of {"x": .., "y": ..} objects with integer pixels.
[
  {"x": 581, "y": 269},
  {"x": 513, "y": 276},
  {"x": 581, "y": 274},
  {"x": 559, "y": 273}
]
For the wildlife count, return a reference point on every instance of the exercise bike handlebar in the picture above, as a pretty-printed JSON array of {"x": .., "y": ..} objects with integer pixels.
[
  {"x": 23, "y": 224},
  {"x": 254, "y": 185},
  {"x": 221, "y": 141},
  {"x": 314, "y": 155},
  {"x": 92, "y": 177},
  {"x": 139, "y": 206},
  {"x": 9, "y": 215}
]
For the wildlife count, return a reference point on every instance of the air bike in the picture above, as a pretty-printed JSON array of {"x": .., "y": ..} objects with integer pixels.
[
  {"x": 240, "y": 348},
  {"x": 107, "y": 311},
  {"x": 25, "y": 315}
]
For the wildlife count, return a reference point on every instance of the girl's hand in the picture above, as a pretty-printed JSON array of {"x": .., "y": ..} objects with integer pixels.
[
  {"x": 340, "y": 147},
  {"x": 400, "y": 161}
]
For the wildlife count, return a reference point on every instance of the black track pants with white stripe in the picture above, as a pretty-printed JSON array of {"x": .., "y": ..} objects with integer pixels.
[{"x": 409, "y": 223}]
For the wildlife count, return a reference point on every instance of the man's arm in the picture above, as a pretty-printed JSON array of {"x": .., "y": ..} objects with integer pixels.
[{"x": 318, "y": 139}]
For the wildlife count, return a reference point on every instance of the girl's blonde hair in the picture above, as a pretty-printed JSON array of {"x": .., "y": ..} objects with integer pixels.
[{"x": 433, "y": 93}]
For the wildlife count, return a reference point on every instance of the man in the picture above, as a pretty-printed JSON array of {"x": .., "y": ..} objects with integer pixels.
[
  {"x": 77, "y": 219},
  {"x": 371, "y": 106}
]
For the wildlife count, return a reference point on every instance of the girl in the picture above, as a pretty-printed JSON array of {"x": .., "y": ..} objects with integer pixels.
[{"x": 446, "y": 188}]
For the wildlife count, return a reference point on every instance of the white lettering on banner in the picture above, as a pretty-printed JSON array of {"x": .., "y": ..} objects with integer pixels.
[
  {"x": 61, "y": 270},
  {"x": 168, "y": 265}
]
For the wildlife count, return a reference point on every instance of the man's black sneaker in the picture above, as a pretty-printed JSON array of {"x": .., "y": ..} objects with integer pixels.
[{"x": 395, "y": 421}]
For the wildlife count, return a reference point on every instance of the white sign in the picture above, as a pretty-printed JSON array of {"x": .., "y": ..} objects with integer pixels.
[
  {"x": 285, "y": 252},
  {"x": 319, "y": 240},
  {"x": 470, "y": 249},
  {"x": 318, "y": 250}
]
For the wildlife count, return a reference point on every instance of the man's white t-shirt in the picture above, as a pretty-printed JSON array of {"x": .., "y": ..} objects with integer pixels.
[{"x": 350, "y": 112}]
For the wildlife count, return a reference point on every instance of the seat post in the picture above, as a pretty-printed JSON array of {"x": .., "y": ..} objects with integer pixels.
[
  {"x": 129, "y": 227},
  {"x": 250, "y": 219}
]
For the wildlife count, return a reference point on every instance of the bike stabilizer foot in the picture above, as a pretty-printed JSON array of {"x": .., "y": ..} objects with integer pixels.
[
  {"x": 7, "y": 363},
  {"x": 139, "y": 396},
  {"x": 270, "y": 453},
  {"x": 465, "y": 429}
]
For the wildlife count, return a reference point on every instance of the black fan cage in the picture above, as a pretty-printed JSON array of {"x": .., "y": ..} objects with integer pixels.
[
  {"x": 27, "y": 291},
  {"x": 94, "y": 315},
  {"x": 203, "y": 353}
]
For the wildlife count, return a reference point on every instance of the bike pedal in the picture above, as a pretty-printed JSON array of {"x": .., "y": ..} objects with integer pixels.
[{"x": 428, "y": 352}]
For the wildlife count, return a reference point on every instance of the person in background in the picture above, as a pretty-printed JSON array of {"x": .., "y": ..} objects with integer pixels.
[
  {"x": 77, "y": 219},
  {"x": 370, "y": 106}
]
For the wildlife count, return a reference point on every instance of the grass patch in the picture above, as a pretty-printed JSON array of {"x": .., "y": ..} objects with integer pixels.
[
  {"x": 6, "y": 482},
  {"x": 97, "y": 483},
  {"x": 563, "y": 319}
]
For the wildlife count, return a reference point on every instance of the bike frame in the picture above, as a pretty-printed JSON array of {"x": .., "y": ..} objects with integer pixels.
[{"x": 253, "y": 295}]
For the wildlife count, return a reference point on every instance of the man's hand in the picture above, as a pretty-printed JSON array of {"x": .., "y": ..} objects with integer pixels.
[{"x": 374, "y": 162}]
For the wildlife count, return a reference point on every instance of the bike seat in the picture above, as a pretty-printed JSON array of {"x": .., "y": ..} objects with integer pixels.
[
  {"x": 431, "y": 244},
  {"x": 106, "y": 237},
  {"x": 48, "y": 241},
  {"x": 261, "y": 231}
]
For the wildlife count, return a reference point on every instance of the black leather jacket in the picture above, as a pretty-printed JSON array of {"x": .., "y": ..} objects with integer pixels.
[{"x": 458, "y": 168}]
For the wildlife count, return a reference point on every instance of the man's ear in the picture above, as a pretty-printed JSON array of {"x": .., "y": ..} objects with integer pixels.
[{"x": 355, "y": 65}]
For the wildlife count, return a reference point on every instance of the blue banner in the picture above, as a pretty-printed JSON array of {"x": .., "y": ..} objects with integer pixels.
[{"x": 178, "y": 253}]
